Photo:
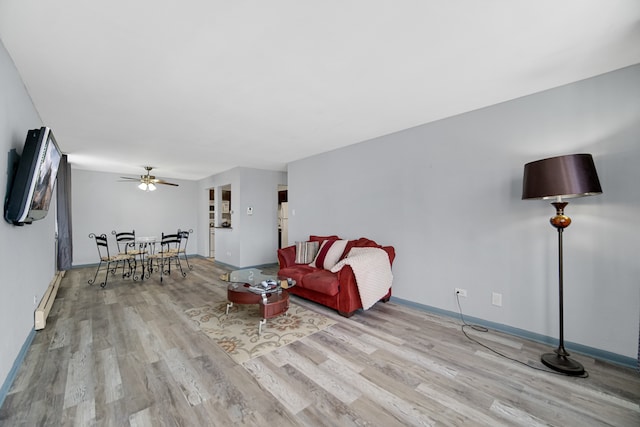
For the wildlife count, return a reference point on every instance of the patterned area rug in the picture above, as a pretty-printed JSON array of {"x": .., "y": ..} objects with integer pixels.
[{"x": 237, "y": 332}]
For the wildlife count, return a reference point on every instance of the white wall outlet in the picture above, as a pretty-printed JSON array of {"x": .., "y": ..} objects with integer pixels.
[
  {"x": 461, "y": 292},
  {"x": 35, "y": 300},
  {"x": 496, "y": 299}
]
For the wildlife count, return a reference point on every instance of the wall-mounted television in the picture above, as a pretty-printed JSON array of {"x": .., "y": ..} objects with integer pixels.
[{"x": 32, "y": 188}]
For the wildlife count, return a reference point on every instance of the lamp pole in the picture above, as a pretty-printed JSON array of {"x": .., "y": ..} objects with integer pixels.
[{"x": 559, "y": 360}]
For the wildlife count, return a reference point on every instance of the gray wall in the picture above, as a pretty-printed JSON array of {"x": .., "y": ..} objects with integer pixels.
[
  {"x": 27, "y": 257},
  {"x": 253, "y": 239},
  {"x": 100, "y": 204},
  {"x": 447, "y": 195}
]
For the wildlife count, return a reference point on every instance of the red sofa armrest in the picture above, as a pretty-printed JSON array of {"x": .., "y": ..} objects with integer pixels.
[
  {"x": 287, "y": 256},
  {"x": 390, "y": 250},
  {"x": 349, "y": 296}
]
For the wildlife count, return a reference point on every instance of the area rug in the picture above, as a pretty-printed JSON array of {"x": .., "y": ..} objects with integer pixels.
[{"x": 237, "y": 332}]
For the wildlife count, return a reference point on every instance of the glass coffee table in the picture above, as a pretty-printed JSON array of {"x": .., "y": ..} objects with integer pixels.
[{"x": 252, "y": 286}]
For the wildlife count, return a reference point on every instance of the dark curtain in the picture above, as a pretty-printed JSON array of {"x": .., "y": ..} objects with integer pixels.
[{"x": 63, "y": 195}]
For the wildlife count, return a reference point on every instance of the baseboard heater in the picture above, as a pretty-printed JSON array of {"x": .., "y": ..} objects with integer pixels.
[{"x": 47, "y": 301}]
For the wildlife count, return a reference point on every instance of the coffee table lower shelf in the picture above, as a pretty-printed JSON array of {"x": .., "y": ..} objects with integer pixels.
[{"x": 271, "y": 304}]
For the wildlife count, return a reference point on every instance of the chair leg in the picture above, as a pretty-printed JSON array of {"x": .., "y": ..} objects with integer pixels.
[
  {"x": 106, "y": 276},
  {"x": 143, "y": 263},
  {"x": 187, "y": 260},
  {"x": 180, "y": 266},
  {"x": 92, "y": 281},
  {"x": 134, "y": 269},
  {"x": 125, "y": 262},
  {"x": 106, "y": 273},
  {"x": 177, "y": 263},
  {"x": 149, "y": 267}
]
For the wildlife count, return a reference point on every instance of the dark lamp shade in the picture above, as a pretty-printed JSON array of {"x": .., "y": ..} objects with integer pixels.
[{"x": 564, "y": 176}]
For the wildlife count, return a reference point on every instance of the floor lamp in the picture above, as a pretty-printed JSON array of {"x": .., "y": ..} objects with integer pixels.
[{"x": 561, "y": 178}]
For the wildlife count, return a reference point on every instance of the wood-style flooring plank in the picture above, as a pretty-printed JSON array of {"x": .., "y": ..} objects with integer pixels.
[{"x": 128, "y": 355}]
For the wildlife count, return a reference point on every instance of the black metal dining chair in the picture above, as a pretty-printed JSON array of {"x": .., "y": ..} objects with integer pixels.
[
  {"x": 126, "y": 242},
  {"x": 109, "y": 261},
  {"x": 167, "y": 255},
  {"x": 184, "y": 239}
]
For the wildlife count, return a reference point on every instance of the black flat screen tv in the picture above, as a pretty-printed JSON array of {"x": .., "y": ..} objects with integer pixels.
[{"x": 30, "y": 193}]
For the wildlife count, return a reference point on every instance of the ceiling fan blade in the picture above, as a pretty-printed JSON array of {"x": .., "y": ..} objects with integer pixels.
[{"x": 147, "y": 179}]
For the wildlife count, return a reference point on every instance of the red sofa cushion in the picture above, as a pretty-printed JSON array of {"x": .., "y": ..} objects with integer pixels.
[
  {"x": 322, "y": 281},
  {"x": 314, "y": 279},
  {"x": 296, "y": 272}
]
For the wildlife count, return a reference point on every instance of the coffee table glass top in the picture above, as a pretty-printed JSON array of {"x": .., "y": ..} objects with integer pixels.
[
  {"x": 251, "y": 276},
  {"x": 254, "y": 276}
]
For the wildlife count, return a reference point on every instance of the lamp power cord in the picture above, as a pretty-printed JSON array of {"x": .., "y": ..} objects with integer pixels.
[{"x": 480, "y": 328}]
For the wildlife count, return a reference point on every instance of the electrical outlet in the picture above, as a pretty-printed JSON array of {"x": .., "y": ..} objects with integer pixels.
[
  {"x": 35, "y": 300},
  {"x": 496, "y": 299},
  {"x": 461, "y": 292}
]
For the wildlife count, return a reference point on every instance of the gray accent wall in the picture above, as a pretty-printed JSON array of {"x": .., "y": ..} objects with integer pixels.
[
  {"x": 447, "y": 196},
  {"x": 27, "y": 254}
]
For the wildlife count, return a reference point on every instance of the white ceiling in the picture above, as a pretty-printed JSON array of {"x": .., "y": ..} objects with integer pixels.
[{"x": 197, "y": 87}]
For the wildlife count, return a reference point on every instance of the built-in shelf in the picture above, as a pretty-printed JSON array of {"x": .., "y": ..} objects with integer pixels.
[{"x": 225, "y": 205}]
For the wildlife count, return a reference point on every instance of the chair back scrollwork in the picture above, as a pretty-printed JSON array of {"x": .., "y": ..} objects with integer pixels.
[
  {"x": 102, "y": 245},
  {"x": 126, "y": 241},
  {"x": 184, "y": 239}
]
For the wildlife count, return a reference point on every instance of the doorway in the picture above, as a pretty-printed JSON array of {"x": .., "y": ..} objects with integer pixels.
[
  {"x": 212, "y": 222},
  {"x": 283, "y": 217}
]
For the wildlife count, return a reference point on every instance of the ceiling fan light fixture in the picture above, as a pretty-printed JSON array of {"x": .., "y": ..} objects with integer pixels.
[
  {"x": 148, "y": 182},
  {"x": 147, "y": 187}
]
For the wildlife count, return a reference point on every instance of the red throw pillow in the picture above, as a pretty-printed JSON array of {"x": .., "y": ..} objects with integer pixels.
[{"x": 320, "y": 239}]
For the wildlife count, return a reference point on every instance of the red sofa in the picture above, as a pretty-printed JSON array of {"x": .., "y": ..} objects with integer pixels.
[{"x": 335, "y": 290}]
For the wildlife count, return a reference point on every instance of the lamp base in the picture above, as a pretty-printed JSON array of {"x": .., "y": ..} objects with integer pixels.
[{"x": 562, "y": 364}]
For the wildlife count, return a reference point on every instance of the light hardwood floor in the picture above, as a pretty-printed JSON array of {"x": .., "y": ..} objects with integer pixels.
[{"x": 127, "y": 355}]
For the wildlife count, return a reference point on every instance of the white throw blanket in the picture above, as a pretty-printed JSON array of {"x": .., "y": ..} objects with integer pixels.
[{"x": 372, "y": 269}]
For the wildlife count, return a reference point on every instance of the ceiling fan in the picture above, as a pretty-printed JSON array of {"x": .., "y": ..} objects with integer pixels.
[{"x": 147, "y": 182}]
